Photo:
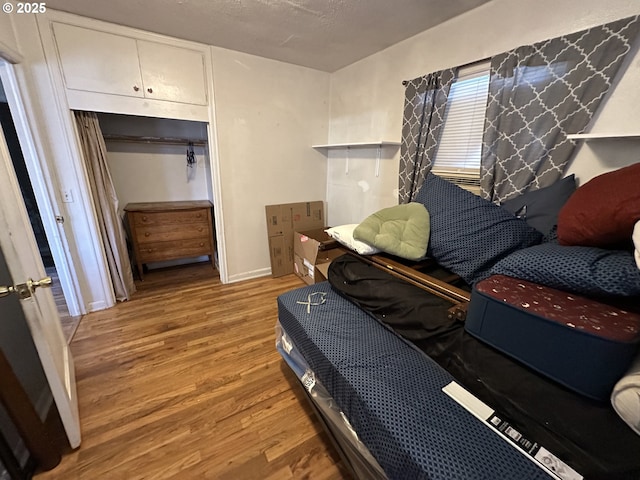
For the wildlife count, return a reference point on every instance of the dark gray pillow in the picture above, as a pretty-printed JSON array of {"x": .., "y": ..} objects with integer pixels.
[
  {"x": 577, "y": 269},
  {"x": 540, "y": 208},
  {"x": 470, "y": 234}
]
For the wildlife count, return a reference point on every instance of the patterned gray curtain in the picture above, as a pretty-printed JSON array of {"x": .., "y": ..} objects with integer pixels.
[
  {"x": 540, "y": 93},
  {"x": 424, "y": 110}
]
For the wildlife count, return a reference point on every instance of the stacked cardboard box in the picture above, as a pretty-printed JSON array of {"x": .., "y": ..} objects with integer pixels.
[
  {"x": 313, "y": 251},
  {"x": 282, "y": 222}
]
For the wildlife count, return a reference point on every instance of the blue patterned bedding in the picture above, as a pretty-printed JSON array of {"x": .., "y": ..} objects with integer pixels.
[{"x": 392, "y": 394}]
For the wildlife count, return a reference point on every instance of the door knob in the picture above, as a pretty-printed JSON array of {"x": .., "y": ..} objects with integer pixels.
[
  {"x": 25, "y": 289},
  {"x": 43, "y": 282},
  {"x": 4, "y": 290}
]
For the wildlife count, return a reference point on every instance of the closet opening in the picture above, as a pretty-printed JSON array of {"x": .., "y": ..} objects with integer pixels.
[{"x": 164, "y": 166}]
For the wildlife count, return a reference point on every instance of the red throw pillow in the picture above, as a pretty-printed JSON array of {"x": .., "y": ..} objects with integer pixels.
[{"x": 603, "y": 211}]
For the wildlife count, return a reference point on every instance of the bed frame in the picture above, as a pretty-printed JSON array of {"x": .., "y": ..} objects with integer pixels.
[{"x": 427, "y": 275}]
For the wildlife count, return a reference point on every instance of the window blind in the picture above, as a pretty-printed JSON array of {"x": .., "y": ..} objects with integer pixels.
[{"x": 460, "y": 147}]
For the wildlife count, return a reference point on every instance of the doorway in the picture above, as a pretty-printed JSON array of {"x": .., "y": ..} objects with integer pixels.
[
  {"x": 69, "y": 322},
  {"x": 23, "y": 262}
]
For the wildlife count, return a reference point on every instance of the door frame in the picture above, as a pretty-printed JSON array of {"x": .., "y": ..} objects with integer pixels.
[
  {"x": 42, "y": 182},
  {"x": 23, "y": 260}
]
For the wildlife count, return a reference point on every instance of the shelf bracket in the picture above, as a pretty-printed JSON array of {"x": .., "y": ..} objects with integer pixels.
[
  {"x": 378, "y": 161},
  {"x": 346, "y": 163}
]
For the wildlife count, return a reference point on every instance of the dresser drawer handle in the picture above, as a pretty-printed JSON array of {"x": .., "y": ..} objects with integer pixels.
[
  {"x": 144, "y": 218},
  {"x": 149, "y": 250},
  {"x": 198, "y": 215},
  {"x": 146, "y": 234},
  {"x": 200, "y": 229},
  {"x": 202, "y": 244}
]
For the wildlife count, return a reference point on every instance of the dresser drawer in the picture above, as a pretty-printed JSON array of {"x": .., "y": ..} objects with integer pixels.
[
  {"x": 168, "y": 232},
  {"x": 154, "y": 252},
  {"x": 177, "y": 218}
]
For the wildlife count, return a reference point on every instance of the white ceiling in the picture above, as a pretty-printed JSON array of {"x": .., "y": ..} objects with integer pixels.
[{"x": 322, "y": 34}]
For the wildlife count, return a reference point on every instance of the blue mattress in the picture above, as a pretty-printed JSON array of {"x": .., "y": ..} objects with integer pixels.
[
  {"x": 578, "y": 342},
  {"x": 392, "y": 394}
]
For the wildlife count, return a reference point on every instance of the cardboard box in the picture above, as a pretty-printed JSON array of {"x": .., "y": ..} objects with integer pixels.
[
  {"x": 314, "y": 251},
  {"x": 280, "y": 264},
  {"x": 282, "y": 221}
]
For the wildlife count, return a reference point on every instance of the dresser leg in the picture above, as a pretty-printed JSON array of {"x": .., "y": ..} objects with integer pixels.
[{"x": 140, "y": 271}]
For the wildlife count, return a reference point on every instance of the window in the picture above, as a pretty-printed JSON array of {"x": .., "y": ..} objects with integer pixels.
[{"x": 458, "y": 156}]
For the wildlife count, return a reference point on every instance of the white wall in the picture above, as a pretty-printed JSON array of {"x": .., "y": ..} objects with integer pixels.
[
  {"x": 367, "y": 97},
  {"x": 268, "y": 114},
  {"x": 157, "y": 173},
  {"x": 144, "y": 172},
  {"x": 9, "y": 49}
]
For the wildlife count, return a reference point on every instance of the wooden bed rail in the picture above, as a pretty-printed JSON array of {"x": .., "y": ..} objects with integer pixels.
[{"x": 422, "y": 280}]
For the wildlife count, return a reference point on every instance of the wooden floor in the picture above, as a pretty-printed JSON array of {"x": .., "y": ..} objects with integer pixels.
[
  {"x": 184, "y": 381},
  {"x": 69, "y": 323}
]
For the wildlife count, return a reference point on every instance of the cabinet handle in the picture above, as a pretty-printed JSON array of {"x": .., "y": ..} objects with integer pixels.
[
  {"x": 136, "y": 88},
  {"x": 150, "y": 90}
]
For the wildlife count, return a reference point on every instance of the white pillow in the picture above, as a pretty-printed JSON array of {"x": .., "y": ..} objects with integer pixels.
[
  {"x": 344, "y": 235},
  {"x": 625, "y": 397},
  {"x": 635, "y": 236}
]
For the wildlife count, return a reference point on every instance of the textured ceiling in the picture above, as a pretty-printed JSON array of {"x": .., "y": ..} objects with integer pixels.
[{"x": 322, "y": 34}]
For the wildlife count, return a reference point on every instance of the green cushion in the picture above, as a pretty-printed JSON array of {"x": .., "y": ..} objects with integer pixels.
[{"x": 402, "y": 230}]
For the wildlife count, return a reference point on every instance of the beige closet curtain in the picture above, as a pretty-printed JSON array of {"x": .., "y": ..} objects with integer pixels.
[{"x": 105, "y": 203}]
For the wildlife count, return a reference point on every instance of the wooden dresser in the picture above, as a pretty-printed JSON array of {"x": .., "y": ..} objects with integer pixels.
[{"x": 170, "y": 230}]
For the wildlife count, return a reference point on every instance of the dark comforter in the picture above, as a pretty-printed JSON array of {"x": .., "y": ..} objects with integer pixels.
[{"x": 587, "y": 435}]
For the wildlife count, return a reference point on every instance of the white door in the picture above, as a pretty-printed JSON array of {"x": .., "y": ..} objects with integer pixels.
[{"x": 23, "y": 259}]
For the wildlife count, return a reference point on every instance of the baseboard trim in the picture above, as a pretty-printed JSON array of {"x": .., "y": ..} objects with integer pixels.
[
  {"x": 96, "y": 306},
  {"x": 239, "y": 277}
]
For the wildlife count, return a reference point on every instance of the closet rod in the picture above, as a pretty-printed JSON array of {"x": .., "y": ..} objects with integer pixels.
[{"x": 156, "y": 140}]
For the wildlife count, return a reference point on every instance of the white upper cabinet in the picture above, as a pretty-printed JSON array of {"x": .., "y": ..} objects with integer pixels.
[
  {"x": 172, "y": 73},
  {"x": 98, "y": 62},
  {"x": 106, "y": 63}
]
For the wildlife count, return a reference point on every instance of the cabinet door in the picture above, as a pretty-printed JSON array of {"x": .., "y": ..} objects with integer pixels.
[
  {"x": 172, "y": 73},
  {"x": 97, "y": 61}
]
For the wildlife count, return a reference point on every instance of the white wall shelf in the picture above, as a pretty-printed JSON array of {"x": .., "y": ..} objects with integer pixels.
[
  {"x": 600, "y": 136},
  {"x": 348, "y": 146},
  {"x": 382, "y": 143}
]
